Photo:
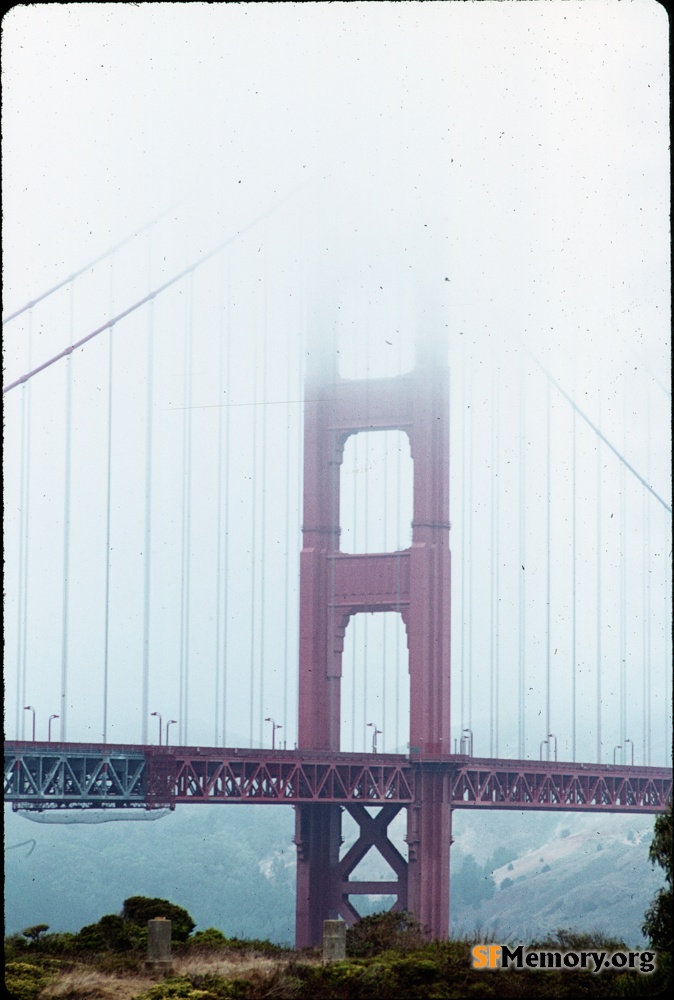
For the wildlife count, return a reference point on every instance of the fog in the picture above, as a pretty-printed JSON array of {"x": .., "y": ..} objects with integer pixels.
[{"x": 496, "y": 175}]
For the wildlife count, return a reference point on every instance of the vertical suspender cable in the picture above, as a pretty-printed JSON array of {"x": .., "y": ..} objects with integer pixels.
[
  {"x": 469, "y": 521},
  {"x": 385, "y": 727},
  {"x": 366, "y": 533},
  {"x": 464, "y": 520},
  {"x": 147, "y": 525},
  {"x": 336, "y": 448},
  {"x": 356, "y": 442},
  {"x": 492, "y": 562},
  {"x": 667, "y": 618},
  {"x": 301, "y": 389},
  {"x": 522, "y": 587},
  {"x": 147, "y": 528},
  {"x": 286, "y": 596},
  {"x": 623, "y": 591},
  {"x": 253, "y": 548},
  {"x": 218, "y": 525},
  {"x": 220, "y": 614},
  {"x": 496, "y": 618},
  {"x": 647, "y": 581},
  {"x": 573, "y": 587},
  {"x": 186, "y": 519},
  {"x": 108, "y": 489},
  {"x": 263, "y": 498},
  {"x": 225, "y": 597},
  {"x": 548, "y": 729},
  {"x": 66, "y": 527},
  {"x": 598, "y": 585},
  {"x": 644, "y": 623},
  {"x": 398, "y": 582},
  {"x": 24, "y": 537}
]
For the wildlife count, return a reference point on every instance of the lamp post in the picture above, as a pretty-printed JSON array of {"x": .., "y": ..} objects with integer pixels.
[
  {"x": 49, "y": 726},
  {"x": 619, "y": 747},
  {"x": 274, "y": 727},
  {"x": 29, "y": 708},
  {"x": 470, "y": 741},
  {"x": 158, "y": 714},
  {"x": 544, "y": 743},
  {"x": 551, "y": 736},
  {"x": 169, "y": 723},
  {"x": 375, "y": 732},
  {"x": 632, "y": 749}
]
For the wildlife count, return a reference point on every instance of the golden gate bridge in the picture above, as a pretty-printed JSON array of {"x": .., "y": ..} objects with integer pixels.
[{"x": 161, "y": 465}]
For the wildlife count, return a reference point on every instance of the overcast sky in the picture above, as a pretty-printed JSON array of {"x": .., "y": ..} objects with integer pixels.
[{"x": 519, "y": 150}]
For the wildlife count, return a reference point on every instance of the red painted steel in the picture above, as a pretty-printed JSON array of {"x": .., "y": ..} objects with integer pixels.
[
  {"x": 35, "y": 771},
  {"x": 414, "y": 582}
]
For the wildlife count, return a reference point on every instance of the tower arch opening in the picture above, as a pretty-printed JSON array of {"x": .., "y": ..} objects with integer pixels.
[
  {"x": 376, "y": 481},
  {"x": 375, "y": 697}
]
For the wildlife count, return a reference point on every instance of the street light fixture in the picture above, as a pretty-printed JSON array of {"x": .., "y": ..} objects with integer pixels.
[
  {"x": 29, "y": 708},
  {"x": 619, "y": 747},
  {"x": 169, "y": 723},
  {"x": 49, "y": 726},
  {"x": 274, "y": 727},
  {"x": 158, "y": 714},
  {"x": 375, "y": 732},
  {"x": 551, "y": 736},
  {"x": 544, "y": 743},
  {"x": 632, "y": 749}
]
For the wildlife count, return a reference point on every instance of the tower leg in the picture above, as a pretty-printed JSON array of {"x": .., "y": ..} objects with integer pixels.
[
  {"x": 429, "y": 839},
  {"x": 318, "y": 831}
]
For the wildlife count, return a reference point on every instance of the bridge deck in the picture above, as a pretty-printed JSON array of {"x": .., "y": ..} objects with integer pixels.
[{"x": 42, "y": 776}]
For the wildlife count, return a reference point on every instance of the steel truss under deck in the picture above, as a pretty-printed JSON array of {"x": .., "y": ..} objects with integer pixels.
[{"x": 40, "y": 776}]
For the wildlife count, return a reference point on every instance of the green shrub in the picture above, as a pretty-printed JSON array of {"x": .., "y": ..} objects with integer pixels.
[
  {"x": 210, "y": 938},
  {"x": 59, "y": 944},
  {"x": 139, "y": 909},
  {"x": 386, "y": 931},
  {"x": 24, "y": 980},
  {"x": 176, "y": 987}
]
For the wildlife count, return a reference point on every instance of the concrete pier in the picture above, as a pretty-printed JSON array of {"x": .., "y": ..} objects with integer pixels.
[
  {"x": 158, "y": 945},
  {"x": 334, "y": 940}
]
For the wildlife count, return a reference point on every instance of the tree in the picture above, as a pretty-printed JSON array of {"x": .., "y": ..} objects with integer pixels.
[
  {"x": 658, "y": 918},
  {"x": 138, "y": 910},
  {"x": 34, "y": 933}
]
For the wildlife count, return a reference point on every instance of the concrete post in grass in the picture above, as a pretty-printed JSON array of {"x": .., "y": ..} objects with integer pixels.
[
  {"x": 158, "y": 945},
  {"x": 334, "y": 940}
]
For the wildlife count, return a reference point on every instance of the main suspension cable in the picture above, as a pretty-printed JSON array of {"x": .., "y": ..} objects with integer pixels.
[
  {"x": 66, "y": 352},
  {"x": 601, "y": 436},
  {"x": 87, "y": 267}
]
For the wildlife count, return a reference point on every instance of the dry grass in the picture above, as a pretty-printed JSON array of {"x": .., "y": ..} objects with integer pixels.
[
  {"x": 228, "y": 966},
  {"x": 238, "y": 965},
  {"x": 89, "y": 984}
]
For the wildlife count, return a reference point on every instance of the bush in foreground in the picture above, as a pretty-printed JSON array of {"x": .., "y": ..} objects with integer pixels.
[{"x": 387, "y": 931}]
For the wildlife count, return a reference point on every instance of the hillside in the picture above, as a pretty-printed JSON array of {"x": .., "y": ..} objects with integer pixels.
[
  {"x": 590, "y": 874},
  {"x": 234, "y": 869}
]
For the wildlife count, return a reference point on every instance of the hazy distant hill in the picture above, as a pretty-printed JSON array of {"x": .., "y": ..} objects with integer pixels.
[
  {"x": 234, "y": 868},
  {"x": 589, "y": 873}
]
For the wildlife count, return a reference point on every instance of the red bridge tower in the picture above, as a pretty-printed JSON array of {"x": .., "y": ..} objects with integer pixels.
[{"x": 335, "y": 585}]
